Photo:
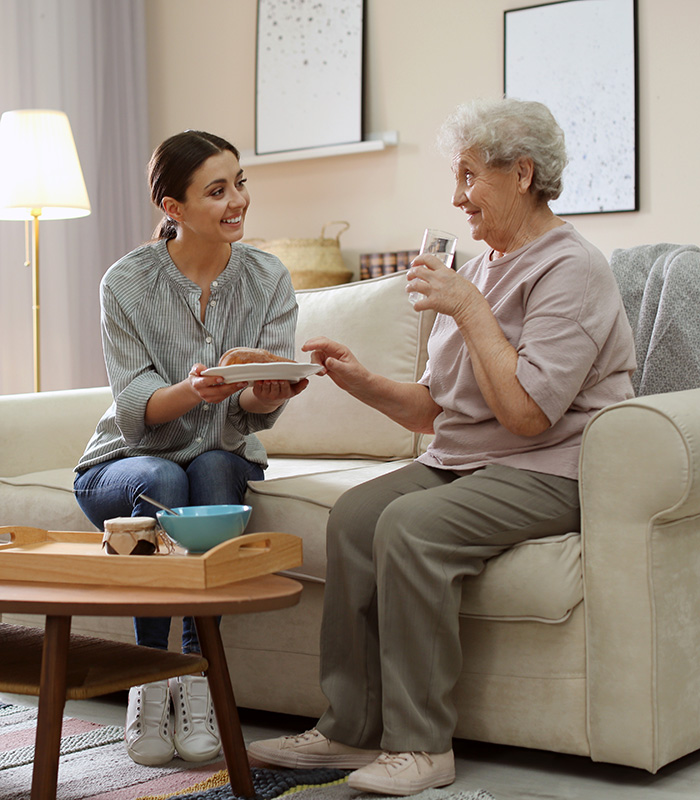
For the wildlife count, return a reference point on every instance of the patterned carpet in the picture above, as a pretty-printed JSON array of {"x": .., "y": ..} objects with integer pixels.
[
  {"x": 303, "y": 785},
  {"x": 94, "y": 766},
  {"x": 268, "y": 784}
]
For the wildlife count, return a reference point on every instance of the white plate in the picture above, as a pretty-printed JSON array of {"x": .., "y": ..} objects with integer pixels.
[{"x": 274, "y": 371}]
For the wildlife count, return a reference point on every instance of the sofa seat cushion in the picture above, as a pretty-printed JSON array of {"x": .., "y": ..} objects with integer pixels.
[
  {"x": 536, "y": 580},
  {"x": 42, "y": 500},
  {"x": 61, "y": 479},
  {"x": 295, "y": 467},
  {"x": 300, "y": 504},
  {"x": 539, "y": 579}
]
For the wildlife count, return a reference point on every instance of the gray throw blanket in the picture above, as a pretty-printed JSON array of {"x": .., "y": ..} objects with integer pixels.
[{"x": 660, "y": 287}]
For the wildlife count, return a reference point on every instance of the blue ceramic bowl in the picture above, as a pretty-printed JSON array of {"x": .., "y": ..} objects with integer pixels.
[{"x": 199, "y": 528}]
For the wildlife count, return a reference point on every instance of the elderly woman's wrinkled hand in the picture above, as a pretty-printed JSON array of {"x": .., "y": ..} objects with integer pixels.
[
  {"x": 338, "y": 362},
  {"x": 440, "y": 288}
]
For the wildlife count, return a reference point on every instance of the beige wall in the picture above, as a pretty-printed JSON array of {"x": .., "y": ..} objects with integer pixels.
[{"x": 420, "y": 64}]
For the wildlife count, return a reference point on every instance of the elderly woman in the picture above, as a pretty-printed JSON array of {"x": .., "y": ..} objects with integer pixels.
[{"x": 530, "y": 340}]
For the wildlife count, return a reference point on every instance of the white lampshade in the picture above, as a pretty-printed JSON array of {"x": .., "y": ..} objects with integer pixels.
[{"x": 39, "y": 167}]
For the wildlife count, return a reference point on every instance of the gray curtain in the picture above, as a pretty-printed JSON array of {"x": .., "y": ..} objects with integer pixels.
[{"x": 87, "y": 58}]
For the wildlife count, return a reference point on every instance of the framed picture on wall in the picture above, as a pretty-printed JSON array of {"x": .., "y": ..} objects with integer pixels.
[
  {"x": 579, "y": 58},
  {"x": 308, "y": 74}
]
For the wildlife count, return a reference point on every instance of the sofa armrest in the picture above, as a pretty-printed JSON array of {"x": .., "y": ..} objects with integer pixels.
[
  {"x": 48, "y": 430},
  {"x": 640, "y": 495}
]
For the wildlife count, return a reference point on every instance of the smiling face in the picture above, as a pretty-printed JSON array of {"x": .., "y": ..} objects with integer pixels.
[
  {"x": 497, "y": 202},
  {"x": 216, "y": 201}
]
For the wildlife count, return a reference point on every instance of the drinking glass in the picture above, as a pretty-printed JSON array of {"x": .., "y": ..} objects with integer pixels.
[{"x": 440, "y": 244}]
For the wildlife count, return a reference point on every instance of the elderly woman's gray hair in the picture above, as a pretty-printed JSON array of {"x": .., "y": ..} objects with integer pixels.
[{"x": 503, "y": 131}]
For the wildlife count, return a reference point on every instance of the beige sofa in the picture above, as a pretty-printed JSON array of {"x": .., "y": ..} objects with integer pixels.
[{"x": 584, "y": 644}]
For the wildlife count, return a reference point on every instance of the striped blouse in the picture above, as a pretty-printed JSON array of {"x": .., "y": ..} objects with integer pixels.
[{"x": 152, "y": 334}]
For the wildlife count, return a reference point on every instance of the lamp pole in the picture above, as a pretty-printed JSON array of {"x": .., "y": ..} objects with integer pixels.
[{"x": 36, "y": 213}]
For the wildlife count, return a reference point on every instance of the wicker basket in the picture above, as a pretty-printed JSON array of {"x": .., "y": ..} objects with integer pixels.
[{"x": 311, "y": 262}]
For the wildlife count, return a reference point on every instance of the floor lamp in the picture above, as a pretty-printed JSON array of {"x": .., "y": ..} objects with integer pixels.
[{"x": 40, "y": 177}]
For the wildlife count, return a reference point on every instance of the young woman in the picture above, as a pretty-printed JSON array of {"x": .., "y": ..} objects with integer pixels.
[{"x": 170, "y": 309}]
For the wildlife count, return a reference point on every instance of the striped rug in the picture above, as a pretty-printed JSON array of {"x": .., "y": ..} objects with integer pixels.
[{"x": 93, "y": 764}]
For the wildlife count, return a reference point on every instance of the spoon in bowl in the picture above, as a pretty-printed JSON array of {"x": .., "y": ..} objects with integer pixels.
[{"x": 159, "y": 505}]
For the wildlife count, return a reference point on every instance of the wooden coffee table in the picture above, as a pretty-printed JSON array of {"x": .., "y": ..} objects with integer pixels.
[{"x": 55, "y": 665}]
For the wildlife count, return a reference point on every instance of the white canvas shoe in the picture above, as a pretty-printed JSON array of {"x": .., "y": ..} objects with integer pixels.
[
  {"x": 196, "y": 735},
  {"x": 310, "y": 749},
  {"x": 147, "y": 733},
  {"x": 405, "y": 773}
]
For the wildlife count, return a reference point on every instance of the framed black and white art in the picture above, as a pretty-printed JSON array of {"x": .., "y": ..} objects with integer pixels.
[
  {"x": 579, "y": 58},
  {"x": 309, "y": 74}
]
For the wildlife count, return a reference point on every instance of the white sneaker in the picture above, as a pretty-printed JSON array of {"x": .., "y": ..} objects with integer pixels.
[
  {"x": 405, "y": 773},
  {"x": 147, "y": 733},
  {"x": 196, "y": 735},
  {"x": 310, "y": 749}
]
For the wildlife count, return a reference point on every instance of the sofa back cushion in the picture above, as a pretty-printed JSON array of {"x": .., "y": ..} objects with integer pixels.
[
  {"x": 48, "y": 430},
  {"x": 376, "y": 321}
]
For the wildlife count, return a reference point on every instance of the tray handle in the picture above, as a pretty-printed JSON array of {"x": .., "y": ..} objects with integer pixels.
[
  {"x": 249, "y": 544},
  {"x": 254, "y": 543},
  {"x": 20, "y": 536},
  {"x": 258, "y": 546}
]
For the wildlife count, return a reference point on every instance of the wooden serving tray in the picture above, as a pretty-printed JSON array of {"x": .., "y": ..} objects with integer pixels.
[{"x": 77, "y": 557}]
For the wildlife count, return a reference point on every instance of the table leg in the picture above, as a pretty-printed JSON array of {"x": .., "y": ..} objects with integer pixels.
[
  {"x": 52, "y": 700},
  {"x": 225, "y": 706}
]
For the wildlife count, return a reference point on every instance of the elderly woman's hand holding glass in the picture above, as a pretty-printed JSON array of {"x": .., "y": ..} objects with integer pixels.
[{"x": 530, "y": 340}]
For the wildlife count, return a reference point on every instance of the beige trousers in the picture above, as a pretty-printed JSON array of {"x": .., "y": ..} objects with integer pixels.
[{"x": 398, "y": 549}]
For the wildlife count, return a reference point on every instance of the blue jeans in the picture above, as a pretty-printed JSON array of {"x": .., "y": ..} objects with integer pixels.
[{"x": 112, "y": 489}]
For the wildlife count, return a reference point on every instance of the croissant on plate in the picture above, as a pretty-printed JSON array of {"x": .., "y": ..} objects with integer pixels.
[{"x": 249, "y": 355}]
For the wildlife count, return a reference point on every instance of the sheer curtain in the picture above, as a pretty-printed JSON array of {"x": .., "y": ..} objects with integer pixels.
[{"x": 88, "y": 59}]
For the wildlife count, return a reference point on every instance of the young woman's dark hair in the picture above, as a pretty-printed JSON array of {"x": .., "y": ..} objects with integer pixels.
[{"x": 172, "y": 166}]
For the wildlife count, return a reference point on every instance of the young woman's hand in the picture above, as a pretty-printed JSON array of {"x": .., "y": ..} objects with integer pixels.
[
  {"x": 278, "y": 391},
  {"x": 264, "y": 397},
  {"x": 211, "y": 388}
]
